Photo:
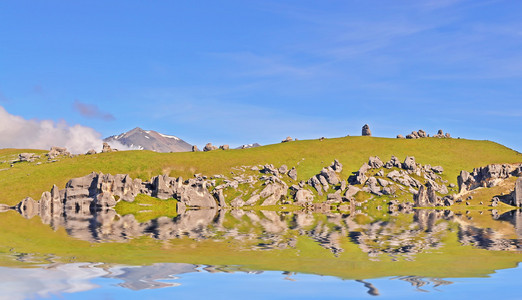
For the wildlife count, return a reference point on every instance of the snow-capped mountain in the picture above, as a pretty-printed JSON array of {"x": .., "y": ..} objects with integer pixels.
[{"x": 141, "y": 139}]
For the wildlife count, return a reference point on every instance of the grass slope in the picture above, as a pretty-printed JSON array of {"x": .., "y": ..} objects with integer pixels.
[
  {"x": 31, "y": 236},
  {"x": 29, "y": 179}
]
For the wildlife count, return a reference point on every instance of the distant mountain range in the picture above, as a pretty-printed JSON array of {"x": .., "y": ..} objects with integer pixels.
[
  {"x": 248, "y": 146},
  {"x": 141, "y": 139}
]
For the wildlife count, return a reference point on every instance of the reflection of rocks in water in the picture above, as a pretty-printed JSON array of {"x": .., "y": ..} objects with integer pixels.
[
  {"x": 145, "y": 277},
  {"x": 489, "y": 239},
  {"x": 418, "y": 282},
  {"x": 372, "y": 290},
  {"x": 396, "y": 239}
]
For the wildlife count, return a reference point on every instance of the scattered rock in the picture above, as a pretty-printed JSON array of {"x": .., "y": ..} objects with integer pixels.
[
  {"x": 393, "y": 163},
  {"x": 375, "y": 162},
  {"x": 292, "y": 173},
  {"x": 400, "y": 136},
  {"x": 27, "y": 157},
  {"x": 283, "y": 169},
  {"x": 195, "y": 148},
  {"x": 304, "y": 197},
  {"x": 409, "y": 163},
  {"x": 58, "y": 151},
  {"x": 224, "y": 147},
  {"x": 288, "y": 139},
  {"x": 366, "y": 130},
  {"x": 518, "y": 192},
  {"x": 209, "y": 147},
  {"x": 90, "y": 152}
]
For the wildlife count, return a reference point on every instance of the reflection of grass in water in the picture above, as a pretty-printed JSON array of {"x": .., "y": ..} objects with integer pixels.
[
  {"x": 145, "y": 208},
  {"x": 452, "y": 260}
]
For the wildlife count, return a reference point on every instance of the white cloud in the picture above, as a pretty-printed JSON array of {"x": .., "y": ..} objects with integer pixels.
[{"x": 17, "y": 132}]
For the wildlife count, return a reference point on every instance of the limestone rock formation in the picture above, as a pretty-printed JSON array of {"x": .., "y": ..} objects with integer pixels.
[
  {"x": 488, "y": 176},
  {"x": 518, "y": 192},
  {"x": 209, "y": 147},
  {"x": 366, "y": 130},
  {"x": 58, "y": 151},
  {"x": 288, "y": 139},
  {"x": 106, "y": 148},
  {"x": 292, "y": 173},
  {"x": 27, "y": 157}
]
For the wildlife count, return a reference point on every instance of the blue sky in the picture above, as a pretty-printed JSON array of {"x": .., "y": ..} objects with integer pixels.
[{"x": 241, "y": 71}]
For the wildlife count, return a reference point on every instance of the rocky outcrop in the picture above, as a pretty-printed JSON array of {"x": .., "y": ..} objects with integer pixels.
[
  {"x": 106, "y": 148},
  {"x": 328, "y": 176},
  {"x": 224, "y": 147},
  {"x": 209, "y": 147},
  {"x": 292, "y": 173},
  {"x": 27, "y": 157},
  {"x": 90, "y": 152},
  {"x": 488, "y": 176},
  {"x": 98, "y": 191},
  {"x": 422, "y": 134},
  {"x": 273, "y": 192},
  {"x": 366, "y": 130},
  {"x": 195, "y": 148},
  {"x": 288, "y": 139},
  {"x": 57, "y": 151},
  {"x": 518, "y": 193}
]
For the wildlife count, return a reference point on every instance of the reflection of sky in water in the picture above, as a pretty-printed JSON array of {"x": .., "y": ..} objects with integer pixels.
[{"x": 183, "y": 281}]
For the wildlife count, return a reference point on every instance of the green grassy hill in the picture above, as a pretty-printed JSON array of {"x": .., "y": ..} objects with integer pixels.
[
  {"x": 309, "y": 156},
  {"x": 31, "y": 236}
]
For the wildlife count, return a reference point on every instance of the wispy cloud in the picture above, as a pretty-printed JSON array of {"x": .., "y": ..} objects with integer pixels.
[{"x": 92, "y": 111}]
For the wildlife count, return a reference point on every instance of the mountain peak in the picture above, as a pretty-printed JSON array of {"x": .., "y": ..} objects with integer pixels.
[{"x": 138, "y": 138}]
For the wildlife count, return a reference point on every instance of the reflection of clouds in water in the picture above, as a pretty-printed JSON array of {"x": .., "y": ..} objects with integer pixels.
[
  {"x": 144, "y": 277},
  {"x": 56, "y": 279},
  {"x": 48, "y": 281}
]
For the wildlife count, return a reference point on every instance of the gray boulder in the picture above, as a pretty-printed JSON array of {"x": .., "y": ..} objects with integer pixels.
[
  {"x": 366, "y": 130},
  {"x": 224, "y": 147},
  {"x": 337, "y": 166},
  {"x": 409, "y": 163},
  {"x": 273, "y": 192},
  {"x": 195, "y": 194},
  {"x": 283, "y": 169},
  {"x": 106, "y": 148},
  {"x": 57, "y": 151},
  {"x": 90, "y": 152},
  {"x": 375, "y": 162},
  {"x": 292, "y": 173},
  {"x": 400, "y": 136},
  {"x": 288, "y": 139},
  {"x": 195, "y": 148},
  {"x": 27, "y": 157},
  {"x": 330, "y": 175},
  {"x": 518, "y": 192},
  {"x": 373, "y": 186},
  {"x": 304, "y": 197},
  {"x": 351, "y": 191},
  {"x": 394, "y": 162},
  {"x": 209, "y": 147}
]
